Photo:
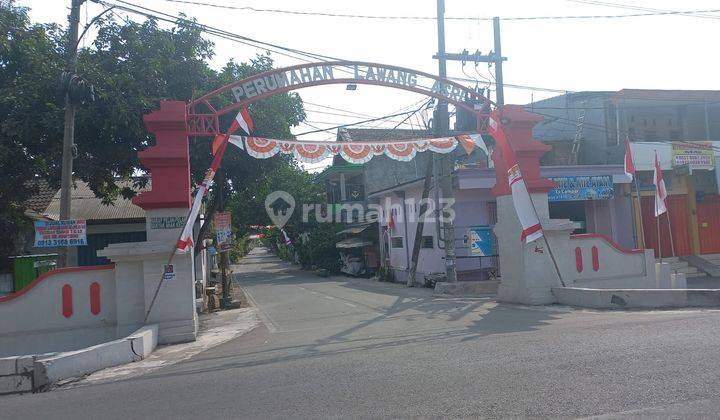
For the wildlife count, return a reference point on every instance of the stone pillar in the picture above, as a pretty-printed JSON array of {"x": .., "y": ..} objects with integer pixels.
[
  {"x": 527, "y": 272},
  {"x": 139, "y": 266}
]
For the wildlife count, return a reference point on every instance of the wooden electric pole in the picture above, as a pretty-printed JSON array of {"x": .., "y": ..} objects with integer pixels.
[{"x": 69, "y": 132}]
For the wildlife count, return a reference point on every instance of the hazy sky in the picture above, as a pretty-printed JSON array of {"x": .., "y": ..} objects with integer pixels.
[{"x": 654, "y": 52}]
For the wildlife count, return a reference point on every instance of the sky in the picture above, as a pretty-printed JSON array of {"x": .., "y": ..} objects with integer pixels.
[{"x": 550, "y": 55}]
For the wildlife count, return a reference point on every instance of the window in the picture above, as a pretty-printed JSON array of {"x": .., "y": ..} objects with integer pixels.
[
  {"x": 396, "y": 242},
  {"x": 428, "y": 242}
]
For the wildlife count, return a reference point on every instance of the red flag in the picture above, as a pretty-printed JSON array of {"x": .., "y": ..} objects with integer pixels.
[
  {"x": 391, "y": 221},
  {"x": 629, "y": 164},
  {"x": 531, "y": 228},
  {"x": 660, "y": 191}
]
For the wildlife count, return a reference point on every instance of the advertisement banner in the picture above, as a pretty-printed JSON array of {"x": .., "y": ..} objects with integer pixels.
[
  {"x": 480, "y": 241},
  {"x": 580, "y": 188},
  {"x": 697, "y": 155},
  {"x": 223, "y": 229},
  {"x": 60, "y": 233}
]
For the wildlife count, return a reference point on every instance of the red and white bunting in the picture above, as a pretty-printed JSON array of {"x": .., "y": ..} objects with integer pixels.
[
  {"x": 353, "y": 152},
  {"x": 531, "y": 228}
]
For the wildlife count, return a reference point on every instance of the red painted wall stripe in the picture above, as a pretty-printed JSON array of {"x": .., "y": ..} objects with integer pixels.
[
  {"x": 578, "y": 259},
  {"x": 595, "y": 258},
  {"x": 67, "y": 303},
  {"x": 95, "y": 298}
]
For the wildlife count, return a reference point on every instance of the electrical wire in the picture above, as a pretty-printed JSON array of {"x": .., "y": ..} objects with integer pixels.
[
  {"x": 428, "y": 18},
  {"x": 640, "y": 8}
]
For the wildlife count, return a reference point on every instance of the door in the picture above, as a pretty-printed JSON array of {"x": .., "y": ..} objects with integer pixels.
[
  {"x": 708, "y": 216},
  {"x": 678, "y": 213}
]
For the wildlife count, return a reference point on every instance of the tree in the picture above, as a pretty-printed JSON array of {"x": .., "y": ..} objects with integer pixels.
[{"x": 132, "y": 66}]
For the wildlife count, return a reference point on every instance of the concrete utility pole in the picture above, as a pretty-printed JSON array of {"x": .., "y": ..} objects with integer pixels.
[
  {"x": 69, "y": 133},
  {"x": 494, "y": 57},
  {"x": 442, "y": 122}
]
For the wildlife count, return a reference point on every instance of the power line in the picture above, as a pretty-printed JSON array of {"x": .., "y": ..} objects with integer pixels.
[
  {"x": 212, "y": 30},
  {"x": 428, "y": 18},
  {"x": 356, "y": 123},
  {"x": 640, "y": 8}
]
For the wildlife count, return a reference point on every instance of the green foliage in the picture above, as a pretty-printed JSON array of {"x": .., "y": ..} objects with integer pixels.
[
  {"x": 241, "y": 247},
  {"x": 320, "y": 249},
  {"x": 132, "y": 66}
]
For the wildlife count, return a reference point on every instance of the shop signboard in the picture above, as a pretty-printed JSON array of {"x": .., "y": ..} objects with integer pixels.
[
  {"x": 696, "y": 155},
  {"x": 581, "y": 188},
  {"x": 480, "y": 241},
  {"x": 223, "y": 231},
  {"x": 60, "y": 233}
]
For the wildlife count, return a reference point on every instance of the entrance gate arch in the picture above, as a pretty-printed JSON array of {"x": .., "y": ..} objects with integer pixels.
[{"x": 203, "y": 116}]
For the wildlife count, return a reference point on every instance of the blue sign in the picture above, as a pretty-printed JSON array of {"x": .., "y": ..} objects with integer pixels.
[
  {"x": 480, "y": 241},
  {"x": 60, "y": 233},
  {"x": 581, "y": 188}
]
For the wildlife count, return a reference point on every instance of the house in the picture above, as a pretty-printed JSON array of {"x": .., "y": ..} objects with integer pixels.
[
  {"x": 588, "y": 132},
  {"x": 117, "y": 222},
  {"x": 591, "y": 129}
]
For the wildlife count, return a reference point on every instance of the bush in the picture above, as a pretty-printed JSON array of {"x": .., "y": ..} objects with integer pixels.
[{"x": 240, "y": 248}]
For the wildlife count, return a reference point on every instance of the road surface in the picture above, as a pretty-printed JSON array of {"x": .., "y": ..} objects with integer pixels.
[{"x": 340, "y": 347}]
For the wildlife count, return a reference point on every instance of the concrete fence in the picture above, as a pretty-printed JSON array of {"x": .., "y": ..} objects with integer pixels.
[
  {"x": 40, "y": 317},
  {"x": 594, "y": 260}
]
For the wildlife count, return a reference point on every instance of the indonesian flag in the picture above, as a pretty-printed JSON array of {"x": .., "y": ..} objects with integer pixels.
[
  {"x": 531, "y": 228},
  {"x": 629, "y": 164},
  {"x": 242, "y": 120},
  {"x": 660, "y": 191},
  {"x": 185, "y": 243}
]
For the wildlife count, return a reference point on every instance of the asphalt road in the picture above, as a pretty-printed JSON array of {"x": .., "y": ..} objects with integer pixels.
[{"x": 342, "y": 347}]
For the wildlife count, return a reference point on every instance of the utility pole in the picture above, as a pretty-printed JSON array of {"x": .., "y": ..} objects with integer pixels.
[
  {"x": 69, "y": 132},
  {"x": 442, "y": 122},
  {"x": 494, "y": 57},
  {"x": 497, "y": 55}
]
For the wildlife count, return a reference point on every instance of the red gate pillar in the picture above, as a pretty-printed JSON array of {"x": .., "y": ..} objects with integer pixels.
[
  {"x": 140, "y": 266},
  {"x": 169, "y": 160},
  {"x": 527, "y": 272}
]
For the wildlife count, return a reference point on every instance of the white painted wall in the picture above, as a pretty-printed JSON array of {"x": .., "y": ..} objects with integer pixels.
[{"x": 34, "y": 322}]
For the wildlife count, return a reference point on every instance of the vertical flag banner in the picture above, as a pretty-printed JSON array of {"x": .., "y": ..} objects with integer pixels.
[
  {"x": 531, "y": 228},
  {"x": 629, "y": 164},
  {"x": 660, "y": 191}
]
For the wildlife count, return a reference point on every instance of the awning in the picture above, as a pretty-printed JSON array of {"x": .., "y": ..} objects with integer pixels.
[
  {"x": 354, "y": 229},
  {"x": 353, "y": 243}
]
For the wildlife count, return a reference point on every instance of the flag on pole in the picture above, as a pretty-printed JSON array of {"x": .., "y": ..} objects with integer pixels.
[
  {"x": 629, "y": 164},
  {"x": 242, "y": 120},
  {"x": 531, "y": 228},
  {"x": 185, "y": 243},
  {"x": 391, "y": 221},
  {"x": 660, "y": 191}
]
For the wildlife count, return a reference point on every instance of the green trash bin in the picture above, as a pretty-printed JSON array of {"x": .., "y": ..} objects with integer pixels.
[{"x": 27, "y": 268}]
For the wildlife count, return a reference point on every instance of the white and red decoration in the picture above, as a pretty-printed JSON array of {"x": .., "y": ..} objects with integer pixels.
[
  {"x": 660, "y": 191},
  {"x": 531, "y": 228},
  {"x": 242, "y": 120},
  {"x": 353, "y": 152},
  {"x": 629, "y": 164}
]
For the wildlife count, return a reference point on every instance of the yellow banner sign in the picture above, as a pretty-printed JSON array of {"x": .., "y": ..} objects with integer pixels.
[{"x": 696, "y": 155}]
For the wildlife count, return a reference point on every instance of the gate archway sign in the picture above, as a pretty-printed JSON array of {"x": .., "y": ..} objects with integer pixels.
[{"x": 204, "y": 112}]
